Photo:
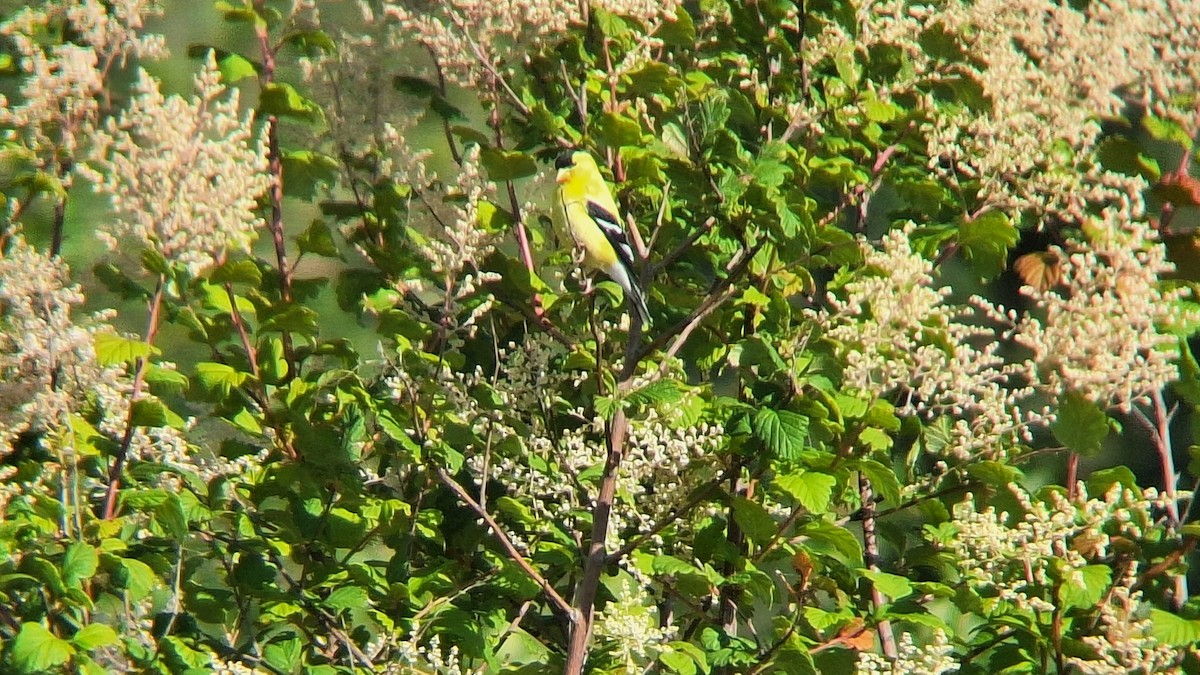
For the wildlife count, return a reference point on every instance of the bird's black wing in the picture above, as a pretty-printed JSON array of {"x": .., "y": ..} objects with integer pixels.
[{"x": 613, "y": 231}]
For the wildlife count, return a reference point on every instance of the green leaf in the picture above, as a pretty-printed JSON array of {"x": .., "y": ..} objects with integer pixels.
[
  {"x": 318, "y": 240},
  {"x": 166, "y": 381},
  {"x": 811, "y": 490},
  {"x": 656, "y": 393},
  {"x": 282, "y": 99},
  {"x": 112, "y": 349},
  {"x": 1173, "y": 629},
  {"x": 237, "y": 12},
  {"x": 219, "y": 377},
  {"x": 284, "y": 655},
  {"x": 1163, "y": 129},
  {"x": 985, "y": 242},
  {"x": 95, "y": 636},
  {"x": 304, "y": 171},
  {"x": 1102, "y": 481},
  {"x": 151, "y": 412},
  {"x": 1084, "y": 586},
  {"x": 617, "y": 130},
  {"x": 504, "y": 165},
  {"x": 347, "y": 597},
  {"x": 79, "y": 563},
  {"x": 1080, "y": 425},
  {"x": 754, "y": 520},
  {"x": 235, "y": 68},
  {"x": 134, "y": 576},
  {"x": 37, "y": 650},
  {"x": 293, "y": 319},
  {"x": 892, "y": 585},
  {"x": 782, "y": 431}
]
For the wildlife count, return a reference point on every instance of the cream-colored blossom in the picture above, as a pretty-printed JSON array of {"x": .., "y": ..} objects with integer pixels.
[
  {"x": 933, "y": 658},
  {"x": 1104, "y": 332},
  {"x": 1010, "y": 558},
  {"x": 472, "y": 40},
  {"x": 1024, "y": 140},
  {"x": 628, "y": 626},
  {"x": 1124, "y": 643},
  {"x": 900, "y": 336},
  {"x": 184, "y": 177},
  {"x": 58, "y": 101},
  {"x": 47, "y": 359}
]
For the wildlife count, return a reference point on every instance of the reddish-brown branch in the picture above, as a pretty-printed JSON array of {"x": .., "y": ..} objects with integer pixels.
[
  {"x": 585, "y": 592},
  {"x": 555, "y": 598},
  {"x": 887, "y": 638},
  {"x": 139, "y": 378},
  {"x": 275, "y": 192}
]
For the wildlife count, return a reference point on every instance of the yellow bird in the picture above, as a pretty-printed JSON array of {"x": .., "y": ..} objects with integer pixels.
[{"x": 595, "y": 224}]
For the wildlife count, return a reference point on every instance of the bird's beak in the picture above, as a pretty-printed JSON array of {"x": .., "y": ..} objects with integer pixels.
[{"x": 562, "y": 176}]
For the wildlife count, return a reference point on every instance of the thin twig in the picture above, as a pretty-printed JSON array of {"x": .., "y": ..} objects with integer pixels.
[
  {"x": 513, "y": 554},
  {"x": 139, "y": 378}
]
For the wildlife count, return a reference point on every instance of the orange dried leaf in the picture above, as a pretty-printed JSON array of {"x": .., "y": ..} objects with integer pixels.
[{"x": 1040, "y": 269}]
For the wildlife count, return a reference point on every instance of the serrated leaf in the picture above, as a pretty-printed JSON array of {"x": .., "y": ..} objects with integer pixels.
[
  {"x": 892, "y": 585},
  {"x": 656, "y": 393},
  {"x": 1084, "y": 586},
  {"x": 79, "y": 563},
  {"x": 782, "y": 431},
  {"x": 37, "y": 650},
  {"x": 304, "y": 171},
  {"x": 617, "y": 130},
  {"x": 755, "y": 521},
  {"x": 985, "y": 242},
  {"x": 318, "y": 240},
  {"x": 1080, "y": 425},
  {"x": 810, "y": 489},
  {"x": 1173, "y": 629},
  {"x": 347, "y": 597},
  {"x": 95, "y": 636},
  {"x": 113, "y": 349},
  {"x": 283, "y": 100},
  {"x": 504, "y": 165},
  {"x": 293, "y": 319},
  {"x": 219, "y": 377}
]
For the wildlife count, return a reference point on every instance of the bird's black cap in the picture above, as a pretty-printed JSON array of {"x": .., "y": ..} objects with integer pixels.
[{"x": 565, "y": 161}]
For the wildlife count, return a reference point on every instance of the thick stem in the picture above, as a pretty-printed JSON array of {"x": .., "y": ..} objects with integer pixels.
[
  {"x": 887, "y": 639},
  {"x": 585, "y": 593}
]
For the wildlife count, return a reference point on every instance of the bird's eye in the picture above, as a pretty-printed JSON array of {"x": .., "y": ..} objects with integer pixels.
[{"x": 564, "y": 161}]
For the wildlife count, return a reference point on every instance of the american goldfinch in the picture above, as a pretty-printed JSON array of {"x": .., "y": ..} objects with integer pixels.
[{"x": 595, "y": 224}]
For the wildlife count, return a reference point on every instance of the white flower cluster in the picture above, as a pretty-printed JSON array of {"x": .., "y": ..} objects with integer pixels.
[
  {"x": 414, "y": 658},
  {"x": 1104, "y": 330},
  {"x": 184, "y": 177},
  {"x": 628, "y": 626},
  {"x": 58, "y": 103},
  {"x": 1124, "y": 642},
  {"x": 1015, "y": 560},
  {"x": 899, "y": 335},
  {"x": 355, "y": 86},
  {"x": 930, "y": 659},
  {"x": 471, "y": 40},
  {"x": 1033, "y": 61},
  {"x": 47, "y": 359},
  {"x": 466, "y": 243},
  {"x": 223, "y": 667}
]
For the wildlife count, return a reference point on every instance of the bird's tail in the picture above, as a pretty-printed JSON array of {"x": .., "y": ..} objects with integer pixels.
[
  {"x": 633, "y": 293},
  {"x": 637, "y": 298}
]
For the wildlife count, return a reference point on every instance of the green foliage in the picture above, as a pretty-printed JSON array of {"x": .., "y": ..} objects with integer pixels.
[{"x": 404, "y": 425}]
